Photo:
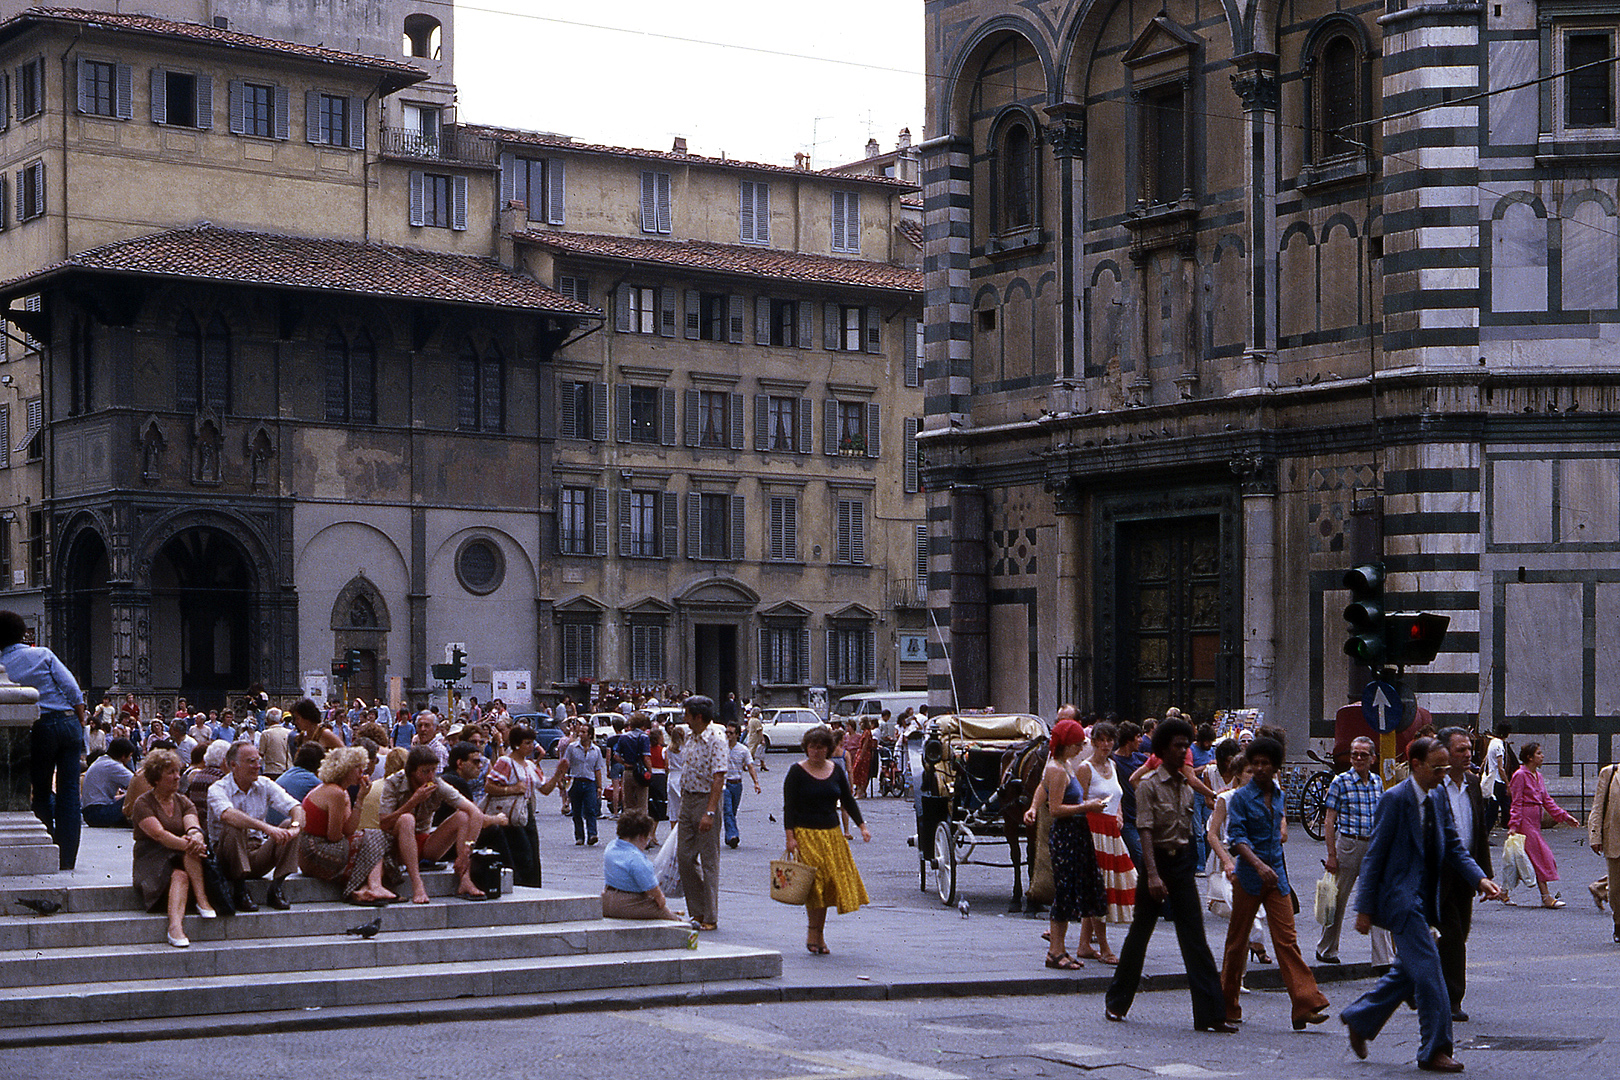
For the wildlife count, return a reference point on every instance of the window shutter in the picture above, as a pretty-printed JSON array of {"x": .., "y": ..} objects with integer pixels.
[
  {"x": 124, "y": 91},
  {"x": 621, "y": 308},
  {"x": 508, "y": 178},
  {"x": 869, "y": 676},
  {"x": 694, "y": 523},
  {"x": 565, "y": 409},
  {"x": 692, "y": 400},
  {"x": 622, "y": 397},
  {"x": 669, "y": 523},
  {"x": 36, "y": 414},
  {"x": 664, "y": 215},
  {"x": 160, "y": 96},
  {"x": 762, "y": 422},
  {"x": 357, "y": 126},
  {"x": 922, "y": 560},
  {"x": 908, "y": 330},
  {"x": 777, "y": 512},
  {"x": 624, "y": 521},
  {"x": 829, "y": 427},
  {"x": 5, "y": 435},
  {"x": 205, "y": 102},
  {"x": 556, "y": 191},
  {"x": 767, "y": 670},
  {"x": 3, "y": 205},
  {"x": 833, "y": 678},
  {"x": 418, "y": 181},
  {"x": 599, "y": 411},
  {"x": 832, "y": 335},
  {"x": 745, "y": 211},
  {"x": 873, "y": 414},
  {"x": 666, "y": 430},
  {"x": 5, "y": 100},
  {"x": 458, "y": 203},
  {"x": 843, "y": 543},
  {"x": 649, "y": 205},
  {"x": 735, "y": 316},
  {"x": 838, "y": 231},
  {"x": 739, "y": 532},
  {"x": 559, "y": 493},
  {"x": 667, "y": 316},
  {"x": 857, "y": 531},
  {"x": 736, "y": 421},
  {"x": 282, "y": 110},
  {"x": 38, "y": 169},
  {"x": 84, "y": 85},
  {"x": 911, "y": 453},
  {"x": 806, "y": 324},
  {"x": 694, "y": 314},
  {"x": 807, "y": 424},
  {"x": 599, "y": 512},
  {"x": 312, "y": 119},
  {"x": 762, "y": 213},
  {"x": 874, "y": 329},
  {"x": 790, "y": 528},
  {"x": 762, "y": 320},
  {"x": 22, "y": 207},
  {"x": 852, "y": 221},
  {"x": 802, "y": 675}
]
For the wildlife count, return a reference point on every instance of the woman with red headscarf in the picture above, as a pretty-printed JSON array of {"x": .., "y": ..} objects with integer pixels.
[{"x": 1078, "y": 884}]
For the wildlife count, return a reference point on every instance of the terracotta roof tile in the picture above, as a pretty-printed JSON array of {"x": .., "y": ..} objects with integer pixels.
[
  {"x": 739, "y": 260},
  {"x": 403, "y": 74},
  {"x": 550, "y": 141},
  {"x": 208, "y": 253},
  {"x": 913, "y": 231}
]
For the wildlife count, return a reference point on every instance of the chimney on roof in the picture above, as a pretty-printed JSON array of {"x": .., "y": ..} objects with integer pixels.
[
  {"x": 872, "y": 148},
  {"x": 904, "y": 141},
  {"x": 801, "y": 161},
  {"x": 680, "y": 145}
]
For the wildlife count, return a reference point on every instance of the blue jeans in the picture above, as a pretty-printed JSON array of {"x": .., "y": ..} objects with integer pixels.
[
  {"x": 729, "y": 801},
  {"x": 105, "y": 816},
  {"x": 56, "y": 745},
  {"x": 1200, "y": 826},
  {"x": 1133, "y": 842},
  {"x": 586, "y": 802}
]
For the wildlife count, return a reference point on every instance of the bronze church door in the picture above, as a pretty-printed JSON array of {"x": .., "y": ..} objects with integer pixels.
[{"x": 1170, "y": 644}]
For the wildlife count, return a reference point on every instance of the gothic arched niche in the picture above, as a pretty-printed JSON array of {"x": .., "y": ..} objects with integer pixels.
[{"x": 360, "y": 600}]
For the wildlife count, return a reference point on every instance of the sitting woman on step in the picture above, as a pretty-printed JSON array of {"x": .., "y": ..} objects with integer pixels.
[{"x": 169, "y": 846}]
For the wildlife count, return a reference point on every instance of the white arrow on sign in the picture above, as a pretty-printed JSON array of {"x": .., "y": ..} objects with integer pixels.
[{"x": 1381, "y": 706}]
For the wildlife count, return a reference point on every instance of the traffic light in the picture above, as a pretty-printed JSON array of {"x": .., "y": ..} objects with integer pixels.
[
  {"x": 1415, "y": 637},
  {"x": 342, "y": 669},
  {"x": 1368, "y": 644},
  {"x": 352, "y": 658},
  {"x": 457, "y": 665}
]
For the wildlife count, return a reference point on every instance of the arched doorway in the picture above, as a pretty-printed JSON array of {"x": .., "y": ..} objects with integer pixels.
[
  {"x": 203, "y": 600},
  {"x": 88, "y": 626}
]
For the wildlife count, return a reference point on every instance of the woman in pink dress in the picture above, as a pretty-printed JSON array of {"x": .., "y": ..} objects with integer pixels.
[{"x": 1530, "y": 798}]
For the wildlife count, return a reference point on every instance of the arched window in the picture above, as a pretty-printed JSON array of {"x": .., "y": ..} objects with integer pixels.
[
  {"x": 1339, "y": 100},
  {"x": 1337, "y": 78},
  {"x": 1018, "y": 178},
  {"x": 188, "y": 350},
  {"x": 216, "y": 375},
  {"x": 423, "y": 37}
]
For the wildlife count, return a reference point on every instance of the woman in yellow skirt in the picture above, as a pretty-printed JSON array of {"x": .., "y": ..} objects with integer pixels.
[{"x": 812, "y": 792}]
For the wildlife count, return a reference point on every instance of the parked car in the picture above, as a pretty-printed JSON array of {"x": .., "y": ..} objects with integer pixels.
[
  {"x": 545, "y": 729},
  {"x": 785, "y": 727}
]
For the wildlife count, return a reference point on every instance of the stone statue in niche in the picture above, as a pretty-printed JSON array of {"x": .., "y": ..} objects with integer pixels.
[
  {"x": 152, "y": 445},
  {"x": 259, "y": 451},
  {"x": 206, "y": 443}
]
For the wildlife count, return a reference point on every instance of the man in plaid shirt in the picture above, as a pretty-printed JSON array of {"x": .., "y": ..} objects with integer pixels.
[{"x": 1352, "y": 799}]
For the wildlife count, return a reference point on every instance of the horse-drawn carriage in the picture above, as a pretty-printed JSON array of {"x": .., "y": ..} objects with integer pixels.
[{"x": 979, "y": 770}]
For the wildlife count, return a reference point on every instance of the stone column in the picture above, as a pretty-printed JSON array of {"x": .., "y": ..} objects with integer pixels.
[
  {"x": 1067, "y": 134},
  {"x": 1260, "y": 582},
  {"x": 1256, "y": 87}
]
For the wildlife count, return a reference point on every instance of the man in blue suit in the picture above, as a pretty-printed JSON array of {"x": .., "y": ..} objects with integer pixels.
[{"x": 1399, "y": 890}]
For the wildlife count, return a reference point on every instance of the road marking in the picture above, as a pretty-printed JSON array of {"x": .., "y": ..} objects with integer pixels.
[
  {"x": 693, "y": 1024},
  {"x": 885, "y": 1066},
  {"x": 952, "y": 1029},
  {"x": 1179, "y": 1068},
  {"x": 1071, "y": 1049}
]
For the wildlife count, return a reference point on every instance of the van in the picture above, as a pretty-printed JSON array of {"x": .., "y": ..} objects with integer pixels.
[{"x": 873, "y": 704}]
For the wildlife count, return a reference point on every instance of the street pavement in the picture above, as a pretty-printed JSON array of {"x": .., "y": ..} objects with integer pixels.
[{"x": 915, "y": 990}]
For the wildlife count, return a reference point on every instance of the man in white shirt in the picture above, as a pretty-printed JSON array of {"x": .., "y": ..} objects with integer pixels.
[
  {"x": 246, "y": 844},
  {"x": 1493, "y": 778},
  {"x": 703, "y": 782}
]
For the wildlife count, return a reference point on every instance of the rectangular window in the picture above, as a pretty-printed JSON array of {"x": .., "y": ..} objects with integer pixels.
[
  {"x": 642, "y": 527},
  {"x": 782, "y": 426},
  {"x": 578, "y": 642},
  {"x": 31, "y": 191},
  {"x": 438, "y": 201},
  {"x": 852, "y": 427},
  {"x": 175, "y": 99},
  {"x": 784, "y": 654},
  {"x": 421, "y": 125},
  {"x": 258, "y": 110},
  {"x": 784, "y": 323},
  {"x": 645, "y": 414},
  {"x": 846, "y": 221},
  {"x": 643, "y": 310},
  {"x": 784, "y": 536},
  {"x": 574, "y": 287},
  {"x": 655, "y": 207},
  {"x": 1589, "y": 86},
  {"x": 714, "y": 529},
  {"x": 850, "y": 546},
  {"x": 575, "y": 410},
  {"x": 98, "y": 88},
  {"x": 1165, "y": 133},
  {"x": 646, "y": 652},
  {"x": 36, "y": 548},
  {"x": 538, "y": 183},
  {"x": 574, "y": 521},
  {"x": 334, "y": 120},
  {"x": 712, "y": 408},
  {"x": 713, "y": 312},
  {"x": 851, "y": 656},
  {"x": 31, "y": 88},
  {"x": 754, "y": 213},
  {"x": 5, "y": 554}
]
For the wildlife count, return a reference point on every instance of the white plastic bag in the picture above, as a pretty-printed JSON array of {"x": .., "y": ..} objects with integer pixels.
[
  {"x": 1327, "y": 898},
  {"x": 1516, "y": 867},
  {"x": 666, "y": 867}
]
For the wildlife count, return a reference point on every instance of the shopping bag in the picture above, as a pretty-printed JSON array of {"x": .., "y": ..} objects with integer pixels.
[
  {"x": 1516, "y": 868},
  {"x": 1042, "y": 886},
  {"x": 1327, "y": 898},
  {"x": 1220, "y": 893},
  {"x": 791, "y": 880},
  {"x": 666, "y": 867}
]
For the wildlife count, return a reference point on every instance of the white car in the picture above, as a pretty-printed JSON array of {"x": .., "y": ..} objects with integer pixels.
[{"x": 785, "y": 728}]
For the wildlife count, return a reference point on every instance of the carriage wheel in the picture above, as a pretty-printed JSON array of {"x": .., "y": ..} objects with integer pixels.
[
  {"x": 1313, "y": 804},
  {"x": 945, "y": 863}
]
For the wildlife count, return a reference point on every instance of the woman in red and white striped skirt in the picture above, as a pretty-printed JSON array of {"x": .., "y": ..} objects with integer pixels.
[{"x": 1099, "y": 780}]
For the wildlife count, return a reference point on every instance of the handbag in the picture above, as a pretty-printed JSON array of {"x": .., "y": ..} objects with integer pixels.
[
  {"x": 515, "y": 807},
  {"x": 1042, "y": 885},
  {"x": 791, "y": 880}
]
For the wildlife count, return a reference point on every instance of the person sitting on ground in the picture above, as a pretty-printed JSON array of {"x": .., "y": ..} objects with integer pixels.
[
  {"x": 245, "y": 843},
  {"x": 300, "y": 780},
  {"x": 408, "y": 801},
  {"x": 105, "y": 783},
  {"x": 306, "y": 720},
  {"x": 169, "y": 846},
  {"x": 333, "y": 847},
  {"x": 631, "y": 886}
]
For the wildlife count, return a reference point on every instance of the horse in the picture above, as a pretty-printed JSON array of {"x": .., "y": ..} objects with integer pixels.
[{"x": 1021, "y": 768}]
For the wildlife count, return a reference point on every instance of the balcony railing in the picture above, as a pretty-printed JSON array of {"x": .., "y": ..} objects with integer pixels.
[
  {"x": 909, "y": 593},
  {"x": 450, "y": 144}
]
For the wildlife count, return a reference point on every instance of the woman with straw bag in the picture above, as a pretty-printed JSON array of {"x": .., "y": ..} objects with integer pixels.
[{"x": 812, "y": 793}]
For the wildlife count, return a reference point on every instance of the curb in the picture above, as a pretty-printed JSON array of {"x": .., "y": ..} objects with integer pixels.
[{"x": 742, "y": 992}]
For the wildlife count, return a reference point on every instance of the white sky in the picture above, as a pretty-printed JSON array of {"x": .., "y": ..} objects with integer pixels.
[{"x": 757, "y": 79}]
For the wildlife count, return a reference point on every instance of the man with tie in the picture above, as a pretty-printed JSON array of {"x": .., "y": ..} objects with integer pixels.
[{"x": 1413, "y": 838}]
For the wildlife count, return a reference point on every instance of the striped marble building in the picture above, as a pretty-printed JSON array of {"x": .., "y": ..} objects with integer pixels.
[{"x": 1225, "y": 298}]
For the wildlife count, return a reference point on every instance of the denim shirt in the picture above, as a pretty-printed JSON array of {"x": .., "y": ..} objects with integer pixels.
[{"x": 1250, "y": 823}]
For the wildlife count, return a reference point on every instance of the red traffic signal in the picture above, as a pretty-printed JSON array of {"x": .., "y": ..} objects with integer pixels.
[{"x": 1415, "y": 637}]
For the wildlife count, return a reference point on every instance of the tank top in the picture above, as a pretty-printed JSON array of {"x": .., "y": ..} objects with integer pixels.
[
  {"x": 1106, "y": 787},
  {"x": 1071, "y": 794}
]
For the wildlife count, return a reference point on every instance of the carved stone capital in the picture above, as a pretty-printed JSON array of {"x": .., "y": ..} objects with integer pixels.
[
  {"x": 1257, "y": 90},
  {"x": 1068, "y": 137}
]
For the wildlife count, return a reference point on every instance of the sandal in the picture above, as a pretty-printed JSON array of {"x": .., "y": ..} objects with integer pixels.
[
  {"x": 1258, "y": 952},
  {"x": 1063, "y": 962},
  {"x": 1110, "y": 959},
  {"x": 1551, "y": 902},
  {"x": 1087, "y": 953},
  {"x": 816, "y": 950}
]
